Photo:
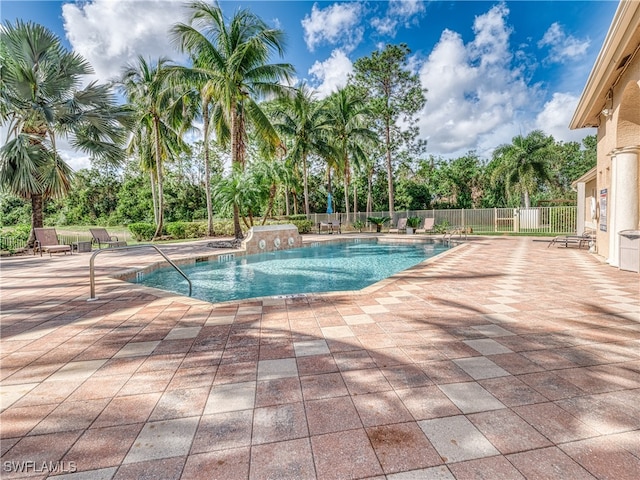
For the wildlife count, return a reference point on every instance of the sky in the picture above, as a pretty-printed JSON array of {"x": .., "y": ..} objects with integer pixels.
[{"x": 491, "y": 69}]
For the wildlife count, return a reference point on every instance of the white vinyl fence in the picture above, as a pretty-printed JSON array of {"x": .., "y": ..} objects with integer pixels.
[
  {"x": 551, "y": 220},
  {"x": 543, "y": 220}
]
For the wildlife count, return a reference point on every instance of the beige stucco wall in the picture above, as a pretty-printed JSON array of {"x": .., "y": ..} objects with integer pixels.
[{"x": 619, "y": 130}]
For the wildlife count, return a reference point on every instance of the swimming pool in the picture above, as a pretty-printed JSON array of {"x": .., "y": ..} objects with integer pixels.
[{"x": 349, "y": 265}]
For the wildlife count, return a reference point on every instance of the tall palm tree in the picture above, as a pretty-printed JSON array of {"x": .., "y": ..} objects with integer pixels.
[
  {"x": 160, "y": 121},
  {"x": 349, "y": 134},
  {"x": 523, "y": 164},
  {"x": 305, "y": 121},
  {"x": 40, "y": 103},
  {"x": 233, "y": 56}
]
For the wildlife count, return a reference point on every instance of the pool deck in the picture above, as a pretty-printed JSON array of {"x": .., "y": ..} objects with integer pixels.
[{"x": 500, "y": 359}]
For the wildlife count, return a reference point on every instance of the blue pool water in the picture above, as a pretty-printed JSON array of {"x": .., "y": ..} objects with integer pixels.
[{"x": 323, "y": 268}]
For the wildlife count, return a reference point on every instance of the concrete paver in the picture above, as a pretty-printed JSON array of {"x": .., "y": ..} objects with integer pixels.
[{"x": 499, "y": 359}]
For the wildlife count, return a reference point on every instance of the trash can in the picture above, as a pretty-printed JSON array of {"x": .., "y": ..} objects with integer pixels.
[{"x": 630, "y": 250}]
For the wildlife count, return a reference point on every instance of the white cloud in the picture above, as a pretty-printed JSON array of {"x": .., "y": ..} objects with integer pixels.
[
  {"x": 385, "y": 26},
  {"x": 400, "y": 12},
  {"x": 562, "y": 47},
  {"x": 406, "y": 8},
  {"x": 112, "y": 33},
  {"x": 474, "y": 98},
  {"x": 556, "y": 116},
  {"x": 336, "y": 24},
  {"x": 331, "y": 74}
]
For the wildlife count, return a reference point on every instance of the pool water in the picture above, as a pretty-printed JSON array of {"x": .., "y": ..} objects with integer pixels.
[{"x": 350, "y": 265}]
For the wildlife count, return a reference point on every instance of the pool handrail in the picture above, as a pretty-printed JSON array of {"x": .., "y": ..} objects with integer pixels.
[{"x": 92, "y": 280}]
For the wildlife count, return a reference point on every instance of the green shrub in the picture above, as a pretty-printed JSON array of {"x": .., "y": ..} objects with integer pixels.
[
  {"x": 142, "y": 231},
  {"x": 413, "y": 222},
  {"x": 195, "y": 230},
  {"x": 223, "y": 227},
  {"x": 304, "y": 225},
  {"x": 442, "y": 227},
  {"x": 378, "y": 222},
  {"x": 176, "y": 229},
  {"x": 19, "y": 232}
]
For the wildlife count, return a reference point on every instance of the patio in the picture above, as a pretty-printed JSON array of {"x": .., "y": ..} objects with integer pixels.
[{"x": 500, "y": 359}]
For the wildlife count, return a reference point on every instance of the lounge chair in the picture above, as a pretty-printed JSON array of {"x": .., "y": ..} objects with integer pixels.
[
  {"x": 102, "y": 237},
  {"x": 401, "y": 226},
  {"x": 587, "y": 238},
  {"x": 428, "y": 226},
  {"x": 47, "y": 241},
  {"x": 335, "y": 226}
]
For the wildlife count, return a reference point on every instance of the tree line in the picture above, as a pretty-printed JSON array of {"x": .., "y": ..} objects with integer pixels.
[{"x": 265, "y": 147}]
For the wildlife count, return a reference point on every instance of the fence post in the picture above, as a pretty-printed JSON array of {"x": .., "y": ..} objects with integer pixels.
[{"x": 516, "y": 220}]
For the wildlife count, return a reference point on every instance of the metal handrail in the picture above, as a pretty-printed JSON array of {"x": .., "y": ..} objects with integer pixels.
[{"x": 92, "y": 280}]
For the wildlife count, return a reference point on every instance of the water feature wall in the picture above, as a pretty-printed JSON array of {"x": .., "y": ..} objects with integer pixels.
[{"x": 269, "y": 238}]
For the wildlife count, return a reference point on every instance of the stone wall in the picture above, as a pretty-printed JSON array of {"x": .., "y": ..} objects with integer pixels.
[{"x": 269, "y": 238}]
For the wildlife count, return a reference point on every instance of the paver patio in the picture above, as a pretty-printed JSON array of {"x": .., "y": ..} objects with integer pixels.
[{"x": 499, "y": 359}]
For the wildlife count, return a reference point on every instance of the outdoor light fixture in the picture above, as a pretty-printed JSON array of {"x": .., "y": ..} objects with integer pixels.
[{"x": 607, "y": 111}]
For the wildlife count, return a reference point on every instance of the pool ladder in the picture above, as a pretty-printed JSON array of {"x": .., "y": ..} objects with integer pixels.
[{"x": 92, "y": 279}]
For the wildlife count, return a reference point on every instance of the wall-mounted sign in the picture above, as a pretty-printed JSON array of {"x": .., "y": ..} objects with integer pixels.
[{"x": 603, "y": 210}]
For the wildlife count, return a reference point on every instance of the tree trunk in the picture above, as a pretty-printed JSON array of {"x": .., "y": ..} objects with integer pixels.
[
  {"x": 207, "y": 167},
  {"x": 273, "y": 190},
  {"x": 236, "y": 159},
  {"x": 355, "y": 202},
  {"x": 37, "y": 217},
  {"x": 387, "y": 139},
  {"x": 286, "y": 200},
  {"x": 154, "y": 196},
  {"x": 305, "y": 182},
  {"x": 527, "y": 200},
  {"x": 236, "y": 222},
  {"x": 346, "y": 187},
  {"x": 346, "y": 198},
  {"x": 159, "y": 223},
  {"x": 369, "y": 192}
]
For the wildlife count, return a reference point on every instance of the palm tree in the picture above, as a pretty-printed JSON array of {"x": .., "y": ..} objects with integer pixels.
[
  {"x": 523, "y": 164},
  {"x": 239, "y": 193},
  {"x": 160, "y": 120},
  {"x": 305, "y": 121},
  {"x": 349, "y": 134},
  {"x": 233, "y": 58},
  {"x": 40, "y": 103}
]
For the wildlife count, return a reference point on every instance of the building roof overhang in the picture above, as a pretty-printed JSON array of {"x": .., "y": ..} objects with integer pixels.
[
  {"x": 587, "y": 177},
  {"x": 621, "y": 44}
]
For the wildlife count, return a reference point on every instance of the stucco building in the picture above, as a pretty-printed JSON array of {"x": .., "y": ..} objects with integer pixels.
[{"x": 608, "y": 195}]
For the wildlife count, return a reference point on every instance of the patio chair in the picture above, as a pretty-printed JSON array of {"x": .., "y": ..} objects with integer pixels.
[
  {"x": 428, "y": 226},
  {"x": 47, "y": 241},
  {"x": 587, "y": 238},
  {"x": 324, "y": 227},
  {"x": 331, "y": 227},
  {"x": 401, "y": 226},
  {"x": 102, "y": 237}
]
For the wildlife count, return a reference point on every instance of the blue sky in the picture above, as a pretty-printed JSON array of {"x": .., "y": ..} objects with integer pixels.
[{"x": 492, "y": 69}]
